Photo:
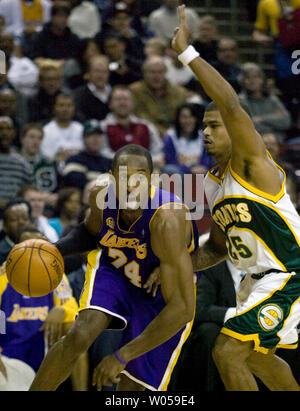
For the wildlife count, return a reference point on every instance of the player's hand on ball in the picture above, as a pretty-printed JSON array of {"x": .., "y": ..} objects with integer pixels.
[
  {"x": 107, "y": 372},
  {"x": 181, "y": 36},
  {"x": 3, "y": 268}
]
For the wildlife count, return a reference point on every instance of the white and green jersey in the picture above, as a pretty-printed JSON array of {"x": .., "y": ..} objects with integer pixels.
[{"x": 262, "y": 230}]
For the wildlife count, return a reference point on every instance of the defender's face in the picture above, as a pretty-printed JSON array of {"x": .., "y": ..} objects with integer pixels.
[
  {"x": 133, "y": 181},
  {"x": 216, "y": 139}
]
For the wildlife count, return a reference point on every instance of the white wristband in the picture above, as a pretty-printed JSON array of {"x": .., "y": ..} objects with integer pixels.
[{"x": 188, "y": 55}]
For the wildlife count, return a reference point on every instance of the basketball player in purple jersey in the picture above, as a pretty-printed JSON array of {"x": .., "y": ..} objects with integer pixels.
[{"x": 127, "y": 245}]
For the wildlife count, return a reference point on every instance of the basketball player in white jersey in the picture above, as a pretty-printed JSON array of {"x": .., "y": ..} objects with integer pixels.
[{"x": 256, "y": 226}]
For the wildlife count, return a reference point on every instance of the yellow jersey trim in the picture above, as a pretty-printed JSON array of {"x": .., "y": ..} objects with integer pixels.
[
  {"x": 249, "y": 337},
  {"x": 254, "y": 190}
]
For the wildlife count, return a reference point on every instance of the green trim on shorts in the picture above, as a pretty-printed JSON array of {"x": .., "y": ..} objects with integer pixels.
[{"x": 262, "y": 322}]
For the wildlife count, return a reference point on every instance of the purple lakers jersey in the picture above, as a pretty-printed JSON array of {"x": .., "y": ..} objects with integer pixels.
[{"x": 129, "y": 251}]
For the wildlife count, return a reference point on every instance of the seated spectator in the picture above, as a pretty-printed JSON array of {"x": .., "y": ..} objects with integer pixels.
[
  {"x": 119, "y": 21},
  {"x": 16, "y": 215},
  {"x": 22, "y": 73},
  {"x": 267, "y": 111},
  {"x": 40, "y": 105},
  {"x": 14, "y": 169},
  {"x": 67, "y": 209},
  {"x": 123, "y": 68},
  {"x": 121, "y": 127},
  {"x": 12, "y": 14},
  {"x": 206, "y": 40},
  {"x": 267, "y": 34},
  {"x": 44, "y": 171},
  {"x": 177, "y": 73},
  {"x": 84, "y": 19},
  {"x": 9, "y": 108},
  {"x": 183, "y": 143},
  {"x": 28, "y": 337},
  {"x": 155, "y": 98},
  {"x": 91, "y": 100},
  {"x": 35, "y": 13},
  {"x": 227, "y": 61},
  {"x": 87, "y": 165},
  {"x": 36, "y": 199},
  {"x": 55, "y": 41},
  {"x": 164, "y": 20},
  {"x": 62, "y": 135},
  {"x": 74, "y": 70}
]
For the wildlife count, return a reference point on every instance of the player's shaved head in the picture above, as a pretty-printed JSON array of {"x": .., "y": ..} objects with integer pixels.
[{"x": 132, "y": 149}]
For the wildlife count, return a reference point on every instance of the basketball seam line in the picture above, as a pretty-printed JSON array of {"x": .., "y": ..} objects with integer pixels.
[
  {"x": 49, "y": 276},
  {"x": 28, "y": 271},
  {"x": 37, "y": 248}
]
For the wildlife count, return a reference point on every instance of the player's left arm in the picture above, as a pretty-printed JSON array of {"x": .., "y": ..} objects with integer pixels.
[{"x": 177, "y": 286}]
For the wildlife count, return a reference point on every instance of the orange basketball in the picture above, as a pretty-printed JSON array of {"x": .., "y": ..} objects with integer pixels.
[{"x": 34, "y": 267}]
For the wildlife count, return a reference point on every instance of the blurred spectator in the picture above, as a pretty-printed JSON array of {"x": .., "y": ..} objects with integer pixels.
[
  {"x": 12, "y": 13},
  {"x": 267, "y": 111},
  {"x": 74, "y": 70},
  {"x": 14, "y": 169},
  {"x": 155, "y": 47},
  {"x": 55, "y": 41},
  {"x": 9, "y": 108},
  {"x": 123, "y": 68},
  {"x": 177, "y": 73},
  {"x": 40, "y": 105},
  {"x": 164, "y": 20},
  {"x": 62, "y": 135},
  {"x": 91, "y": 100},
  {"x": 67, "y": 209},
  {"x": 206, "y": 38},
  {"x": 121, "y": 127},
  {"x": 155, "y": 98},
  {"x": 28, "y": 334},
  {"x": 227, "y": 61},
  {"x": 35, "y": 13},
  {"x": 84, "y": 19},
  {"x": 36, "y": 198},
  {"x": 22, "y": 73},
  {"x": 119, "y": 21},
  {"x": 87, "y": 165},
  {"x": 183, "y": 143},
  {"x": 267, "y": 33},
  {"x": 44, "y": 171},
  {"x": 16, "y": 215}
]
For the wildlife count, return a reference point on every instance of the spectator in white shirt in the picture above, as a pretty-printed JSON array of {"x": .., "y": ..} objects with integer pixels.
[
  {"x": 84, "y": 20},
  {"x": 62, "y": 135}
]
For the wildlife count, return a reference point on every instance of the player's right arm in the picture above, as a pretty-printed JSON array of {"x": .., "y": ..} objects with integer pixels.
[
  {"x": 84, "y": 237},
  {"x": 212, "y": 252},
  {"x": 249, "y": 157}
]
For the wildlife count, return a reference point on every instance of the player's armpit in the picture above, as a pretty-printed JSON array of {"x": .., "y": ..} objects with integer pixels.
[{"x": 212, "y": 252}]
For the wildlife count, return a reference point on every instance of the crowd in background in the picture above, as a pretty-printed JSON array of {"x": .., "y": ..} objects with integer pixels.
[{"x": 84, "y": 78}]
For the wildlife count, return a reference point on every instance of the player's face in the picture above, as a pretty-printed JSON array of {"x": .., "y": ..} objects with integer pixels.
[
  {"x": 132, "y": 181},
  {"x": 216, "y": 139}
]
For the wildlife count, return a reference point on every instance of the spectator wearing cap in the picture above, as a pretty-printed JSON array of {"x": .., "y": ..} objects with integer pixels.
[
  {"x": 62, "y": 135},
  {"x": 88, "y": 164},
  {"x": 55, "y": 41},
  {"x": 122, "y": 127},
  {"x": 119, "y": 21},
  {"x": 14, "y": 169}
]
